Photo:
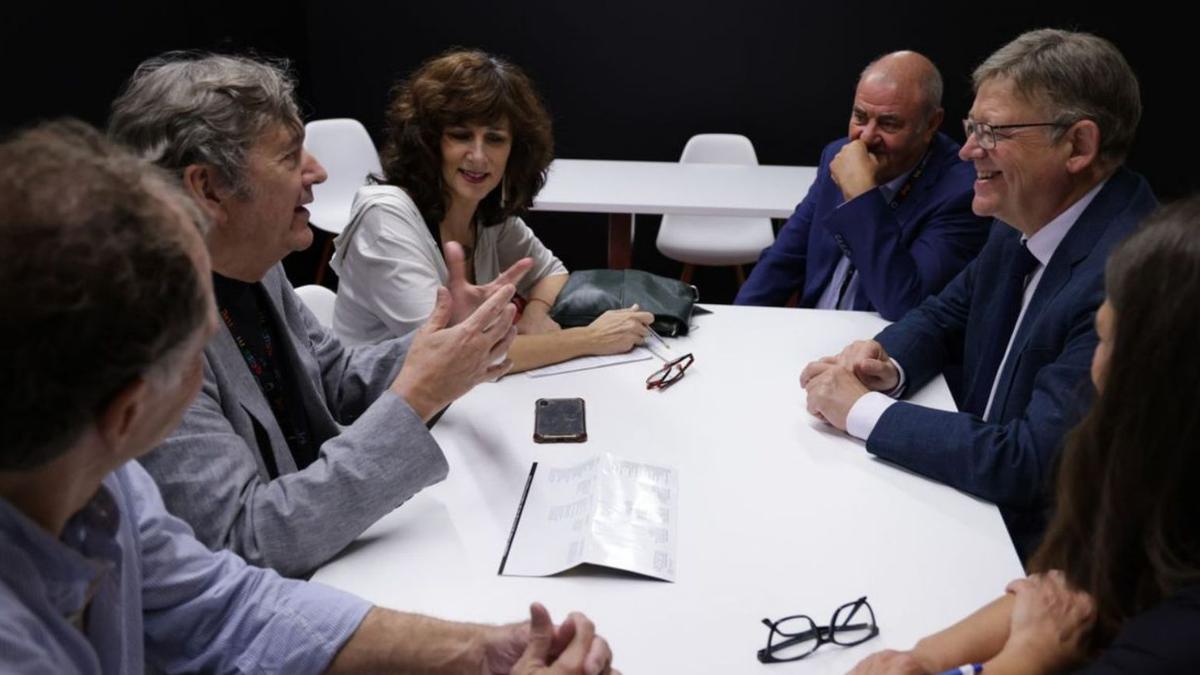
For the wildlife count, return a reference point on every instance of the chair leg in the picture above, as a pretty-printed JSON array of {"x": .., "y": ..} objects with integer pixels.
[
  {"x": 688, "y": 270},
  {"x": 741, "y": 274}
]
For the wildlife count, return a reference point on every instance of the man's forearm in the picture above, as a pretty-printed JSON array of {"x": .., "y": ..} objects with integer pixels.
[{"x": 388, "y": 642}]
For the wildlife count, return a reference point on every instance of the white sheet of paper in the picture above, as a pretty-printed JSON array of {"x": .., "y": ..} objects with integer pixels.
[
  {"x": 589, "y": 362},
  {"x": 606, "y": 511}
]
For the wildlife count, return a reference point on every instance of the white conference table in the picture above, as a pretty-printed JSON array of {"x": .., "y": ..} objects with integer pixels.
[
  {"x": 778, "y": 514},
  {"x": 623, "y": 189}
]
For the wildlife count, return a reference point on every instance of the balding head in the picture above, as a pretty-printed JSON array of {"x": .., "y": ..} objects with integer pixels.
[
  {"x": 897, "y": 111},
  {"x": 908, "y": 70}
]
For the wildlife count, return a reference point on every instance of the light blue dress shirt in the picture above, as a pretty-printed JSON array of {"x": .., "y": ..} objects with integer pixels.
[{"x": 128, "y": 585}]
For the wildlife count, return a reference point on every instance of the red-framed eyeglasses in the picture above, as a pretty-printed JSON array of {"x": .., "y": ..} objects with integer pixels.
[{"x": 670, "y": 373}]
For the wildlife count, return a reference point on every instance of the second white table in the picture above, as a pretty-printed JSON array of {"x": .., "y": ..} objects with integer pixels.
[{"x": 623, "y": 189}]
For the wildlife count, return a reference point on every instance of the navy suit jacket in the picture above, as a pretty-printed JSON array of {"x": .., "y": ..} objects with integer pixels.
[
  {"x": 902, "y": 255},
  {"x": 1044, "y": 387}
]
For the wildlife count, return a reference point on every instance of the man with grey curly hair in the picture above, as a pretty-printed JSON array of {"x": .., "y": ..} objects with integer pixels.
[
  {"x": 1053, "y": 118},
  {"x": 112, "y": 306},
  {"x": 296, "y": 443},
  {"x": 174, "y": 125}
]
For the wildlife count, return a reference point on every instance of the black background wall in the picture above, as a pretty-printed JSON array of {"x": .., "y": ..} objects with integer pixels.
[{"x": 623, "y": 80}]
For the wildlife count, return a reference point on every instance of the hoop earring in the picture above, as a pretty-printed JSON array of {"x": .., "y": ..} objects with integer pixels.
[{"x": 503, "y": 191}]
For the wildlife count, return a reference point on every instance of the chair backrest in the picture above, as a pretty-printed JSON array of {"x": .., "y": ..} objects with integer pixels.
[
  {"x": 715, "y": 240},
  {"x": 718, "y": 149},
  {"x": 345, "y": 149},
  {"x": 319, "y": 301}
]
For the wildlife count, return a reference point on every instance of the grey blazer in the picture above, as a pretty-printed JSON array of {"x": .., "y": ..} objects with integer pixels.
[{"x": 375, "y": 452}]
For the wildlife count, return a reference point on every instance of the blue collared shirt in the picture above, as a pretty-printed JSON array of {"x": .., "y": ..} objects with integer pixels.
[{"x": 127, "y": 585}]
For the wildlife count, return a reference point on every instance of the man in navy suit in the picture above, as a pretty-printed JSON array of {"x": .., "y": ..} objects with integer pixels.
[
  {"x": 888, "y": 221},
  {"x": 1053, "y": 119}
]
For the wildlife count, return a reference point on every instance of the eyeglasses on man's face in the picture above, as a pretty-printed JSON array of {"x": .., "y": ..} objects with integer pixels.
[
  {"x": 985, "y": 134},
  {"x": 670, "y": 373},
  {"x": 795, "y": 637}
]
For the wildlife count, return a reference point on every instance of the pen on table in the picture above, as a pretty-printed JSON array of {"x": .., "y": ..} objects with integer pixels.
[
  {"x": 661, "y": 357},
  {"x": 658, "y": 337}
]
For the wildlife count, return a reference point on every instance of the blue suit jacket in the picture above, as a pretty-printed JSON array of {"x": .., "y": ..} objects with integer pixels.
[
  {"x": 902, "y": 255},
  {"x": 1045, "y": 386}
]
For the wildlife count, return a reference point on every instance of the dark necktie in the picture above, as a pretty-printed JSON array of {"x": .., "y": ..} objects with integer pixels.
[
  {"x": 845, "y": 286},
  {"x": 1010, "y": 291}
]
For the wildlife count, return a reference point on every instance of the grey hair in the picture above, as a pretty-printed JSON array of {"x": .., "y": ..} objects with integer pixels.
[
  {"x": 183, "y": 108},
  {"x": 930, "y": 83},
  {"x": 1078, "y": 76},
  {"x": 99, "y": 287}
]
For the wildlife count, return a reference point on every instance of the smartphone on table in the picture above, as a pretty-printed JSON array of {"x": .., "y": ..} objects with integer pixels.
[{"x": 559, "y": 420}]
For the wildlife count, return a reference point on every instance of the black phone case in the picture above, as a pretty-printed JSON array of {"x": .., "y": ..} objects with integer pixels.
[{"x": 559, "y": 420}]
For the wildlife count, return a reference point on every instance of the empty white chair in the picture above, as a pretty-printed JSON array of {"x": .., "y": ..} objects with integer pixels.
[
  {"x": 348, "y": 154},
  {"x": 345, "y": 149},
  {"x": 319, "y": 301},
  {"x": 717, "y": 241}
]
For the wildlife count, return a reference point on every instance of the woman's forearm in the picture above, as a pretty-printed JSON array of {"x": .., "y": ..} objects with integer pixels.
[
  {"x": 546, "y": 290},
  {"x": 975, "y": 639},
  {"x": 543, "y": 349}
]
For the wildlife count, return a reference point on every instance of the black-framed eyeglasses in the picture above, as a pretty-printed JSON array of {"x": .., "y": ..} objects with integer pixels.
[
  {"x": 985, "y": 133},
  {"x": 670, "y": 373},
  {"x": 795, "y": 637}
]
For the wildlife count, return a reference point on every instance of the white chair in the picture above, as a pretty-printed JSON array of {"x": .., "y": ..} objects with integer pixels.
[
  {"x": 319, "y": 301},
  {"x": 348, "y": 154},
  {"x": 718, "y": 241}
]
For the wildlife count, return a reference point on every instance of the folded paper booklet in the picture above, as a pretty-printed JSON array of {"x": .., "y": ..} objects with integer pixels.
[{"x": 606, "y": 511}]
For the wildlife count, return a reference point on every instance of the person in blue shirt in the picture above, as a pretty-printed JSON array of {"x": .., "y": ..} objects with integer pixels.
[
  {"x": 108, "y": 305},
  {"x": 888, "y": 220}
]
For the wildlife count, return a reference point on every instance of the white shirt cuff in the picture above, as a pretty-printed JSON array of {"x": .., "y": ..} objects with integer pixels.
[
  {"x": 865, "y": 414},
  {"x": 895, "y": 393}
]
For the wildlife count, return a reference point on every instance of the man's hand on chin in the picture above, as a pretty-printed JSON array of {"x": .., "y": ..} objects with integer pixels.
[{"x": 854, "y": 169}]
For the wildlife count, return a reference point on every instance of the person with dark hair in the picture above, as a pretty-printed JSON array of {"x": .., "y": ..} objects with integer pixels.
[
  {"x": 297, "y": 443},
  {"x": 1116, "y": 582},
  {"x": 468, "y": 145},
  {"x": 1053, "y": 119},
  {"x": 888, "y": 220},
  {"x": 111, "y": 305}
]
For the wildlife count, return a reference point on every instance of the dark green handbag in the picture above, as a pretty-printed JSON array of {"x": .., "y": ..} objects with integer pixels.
[{"x": 590, "y": 293}]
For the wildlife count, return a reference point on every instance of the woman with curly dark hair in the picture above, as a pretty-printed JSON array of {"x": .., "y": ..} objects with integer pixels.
[
  {"x": 1116, "y": 583},
  {"x": 468, "y": 145}
]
